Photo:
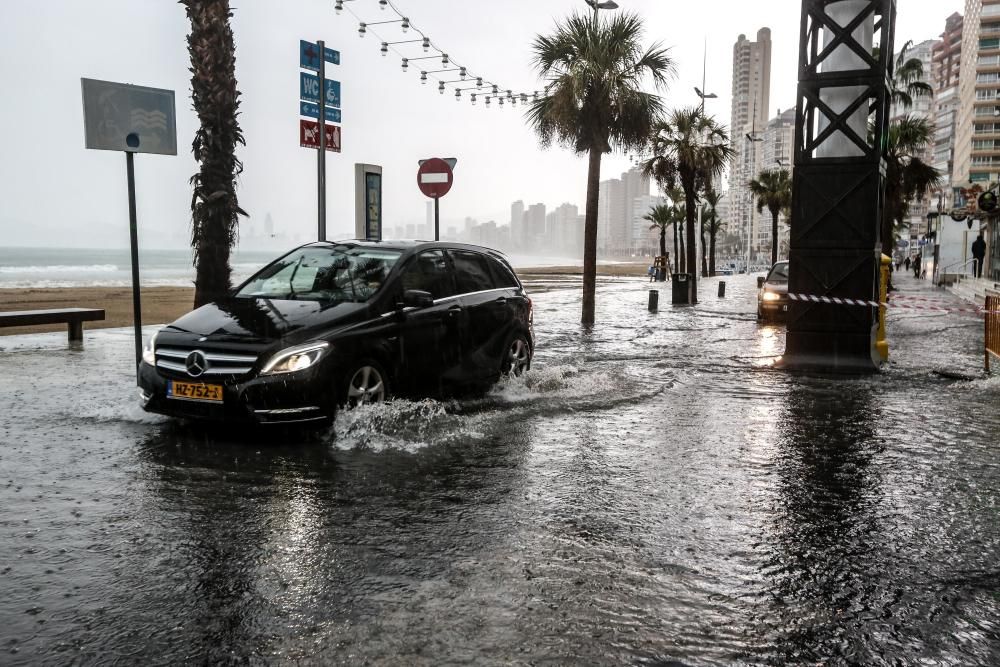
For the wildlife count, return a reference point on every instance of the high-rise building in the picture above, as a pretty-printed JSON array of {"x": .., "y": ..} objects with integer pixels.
[
  {"x": 776, "y": 152},
  {"x": 646, "y": 241},
  {"x": 634, "y": 184},
  {"x": 610, "y": 214},
  {"x": 977, "y": 133},
  {"x": 748, "y": 119},
  {"x": 946, "y": 57},
  {"x": 534, "y": 226},
  {"x": 517, "y": 225}
]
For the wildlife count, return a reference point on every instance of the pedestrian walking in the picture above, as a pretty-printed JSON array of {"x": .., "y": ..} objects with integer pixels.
[
  {"x": 651, "y": 273},
  {"x": 979, "y": 253},
  {"x": 916, "y": 264},
  {"x": 906, "y": 263}
]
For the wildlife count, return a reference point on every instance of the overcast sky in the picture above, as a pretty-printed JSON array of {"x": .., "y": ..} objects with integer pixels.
[{"x": 56, "y": 193}]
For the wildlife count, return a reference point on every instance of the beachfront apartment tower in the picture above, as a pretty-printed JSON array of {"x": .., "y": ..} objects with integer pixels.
[{"x": 748, "y": 119}]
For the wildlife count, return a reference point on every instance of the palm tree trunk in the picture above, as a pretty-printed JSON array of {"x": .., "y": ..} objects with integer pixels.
[
  {"x": 677, "y": 255},
  {"x": 711, "y": 250},
  {"x": 692, "y": 251},
  {"x": 663, "y": 240},
  {"x": 590, "y": 237},
  {"x": 214, "y": 207},
  {"x": 774, "y": 237},
  {"x": 704, "y": 248},
  {"x": 681, "y": 256}
]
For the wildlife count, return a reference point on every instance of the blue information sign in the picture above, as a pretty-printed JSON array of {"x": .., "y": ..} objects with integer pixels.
[
  {"x": 309, "y": 55},
  {"x": 373, "y": 208},
  {"x": 309, "y": 89},
  {"x": 311, "y": 110}
]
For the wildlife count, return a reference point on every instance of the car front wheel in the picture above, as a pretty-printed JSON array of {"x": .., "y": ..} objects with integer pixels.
[
  {"x": 517, "y": 357},
  {"x": 367, "y": 383}
]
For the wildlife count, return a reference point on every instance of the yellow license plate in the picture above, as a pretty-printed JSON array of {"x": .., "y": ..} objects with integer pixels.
[{"x": 191, "y": 391}]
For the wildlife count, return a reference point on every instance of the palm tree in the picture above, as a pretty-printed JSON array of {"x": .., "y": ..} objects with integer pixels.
[
  {"x": 710, "y": 217},
  {"x": 907, "y": 176},
  {"x": 692, "y": 149},
  {"x": 595, "y": 103},
  {"x": 214, "y": 207},
  {"x": 908, "y": 79},
  {"x": 773, "y": 189},
  {"x": 660, "y": 216}
]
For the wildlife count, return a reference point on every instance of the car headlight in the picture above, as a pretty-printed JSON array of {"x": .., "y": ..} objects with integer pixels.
[
  {"x": 295, "y": 358},
  {"x": 149, "y": 351},
  {"x": 771, "y": 296}
]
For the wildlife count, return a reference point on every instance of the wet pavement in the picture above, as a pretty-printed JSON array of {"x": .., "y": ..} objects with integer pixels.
[{"x": 650, "y": 493}]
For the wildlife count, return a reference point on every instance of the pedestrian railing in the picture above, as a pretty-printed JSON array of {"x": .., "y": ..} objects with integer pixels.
[
  {"x": 961, "y": 269},
  {"x": 992, "y": 313}
]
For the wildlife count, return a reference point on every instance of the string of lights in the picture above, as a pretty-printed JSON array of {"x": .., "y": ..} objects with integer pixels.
[{"x": 449, "y": 72}]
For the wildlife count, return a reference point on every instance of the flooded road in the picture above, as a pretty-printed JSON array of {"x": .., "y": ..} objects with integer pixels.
[{"x": 650, "y": 493}]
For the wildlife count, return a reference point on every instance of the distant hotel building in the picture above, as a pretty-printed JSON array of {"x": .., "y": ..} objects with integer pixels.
[{"x": 750, "y": 105}]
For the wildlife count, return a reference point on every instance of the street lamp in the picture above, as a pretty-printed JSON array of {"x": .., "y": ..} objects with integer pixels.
[
  {"x": 704, "y": 96},
  {"x": 608, "y": 4}
]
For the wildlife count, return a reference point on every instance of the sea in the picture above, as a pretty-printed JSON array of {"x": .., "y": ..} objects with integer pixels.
[{"x": 66, "y": 267}]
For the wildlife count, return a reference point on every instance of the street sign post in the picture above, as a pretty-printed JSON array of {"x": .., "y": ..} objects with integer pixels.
[
  {"x": 434, "y": 178},
  {"x": 314, "y": 56},
  {"x": 132, "y": 119},
  {"x": 309, "y": 135}
]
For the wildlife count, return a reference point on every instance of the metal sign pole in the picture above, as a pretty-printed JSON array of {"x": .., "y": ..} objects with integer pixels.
[
  {"x": 134, "y": 239},
  {"x": 437, "y": 220},
  {"x": 321, "y": 176}
]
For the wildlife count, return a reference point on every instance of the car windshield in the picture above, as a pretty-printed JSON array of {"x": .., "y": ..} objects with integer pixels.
[
  {"x": 334, "y": 274},
  {"x": 779, "y": 273}
]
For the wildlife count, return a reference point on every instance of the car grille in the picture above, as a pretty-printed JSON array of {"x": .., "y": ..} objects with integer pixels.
[{"x": 219, "y": 362}]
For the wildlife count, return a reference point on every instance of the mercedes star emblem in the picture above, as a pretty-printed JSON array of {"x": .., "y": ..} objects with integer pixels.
[{"x": 196, "y": 363}]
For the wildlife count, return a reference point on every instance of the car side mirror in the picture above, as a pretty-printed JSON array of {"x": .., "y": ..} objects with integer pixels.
[
  {"x": 760, "y": 281},
  {"x": 416, "y": 298}
]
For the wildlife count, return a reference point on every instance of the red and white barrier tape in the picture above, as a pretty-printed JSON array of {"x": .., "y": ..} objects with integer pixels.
[{"x": 812, "y": 298}]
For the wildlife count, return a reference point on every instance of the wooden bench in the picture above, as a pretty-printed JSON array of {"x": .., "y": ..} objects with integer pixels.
[{"x": 74, "y": 317}]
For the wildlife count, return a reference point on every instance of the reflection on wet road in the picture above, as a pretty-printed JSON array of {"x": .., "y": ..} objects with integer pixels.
[{"x": 651, "y": 492}]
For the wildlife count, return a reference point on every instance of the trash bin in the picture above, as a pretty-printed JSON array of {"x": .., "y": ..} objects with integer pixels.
[{"x": 681, "y": 292}]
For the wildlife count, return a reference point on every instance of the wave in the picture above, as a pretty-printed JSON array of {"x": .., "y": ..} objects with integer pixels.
[{"x": 61, "y": 268}]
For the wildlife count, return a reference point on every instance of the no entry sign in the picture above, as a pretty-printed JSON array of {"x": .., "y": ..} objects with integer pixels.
[{"x": 434, "y": 178}]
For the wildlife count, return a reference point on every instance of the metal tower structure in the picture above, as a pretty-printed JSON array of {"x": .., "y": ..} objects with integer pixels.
[{"x": 841, "y": 127}]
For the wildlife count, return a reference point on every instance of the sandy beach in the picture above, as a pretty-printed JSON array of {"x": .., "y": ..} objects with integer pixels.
[{"x": 165, "y": 304}]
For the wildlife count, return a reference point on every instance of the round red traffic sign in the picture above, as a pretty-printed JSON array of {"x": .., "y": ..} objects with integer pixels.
[{"x": 434, "y": 178}]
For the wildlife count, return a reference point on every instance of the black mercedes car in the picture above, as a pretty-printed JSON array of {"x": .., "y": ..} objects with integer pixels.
[{"x": 341, "y": 324}]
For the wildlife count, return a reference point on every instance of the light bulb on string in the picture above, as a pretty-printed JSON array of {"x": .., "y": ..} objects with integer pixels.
[
  {"x": 462, "y": 73},
  {"x": 385, "y": 49},
  {"x": 406, "y": 24},
  {"x": 382, "y": 4},
  {"x": 473, "y": 97},
  {"x": 487, "y": 100},
  {"x": 458, "y": 94},
  {"x": 444, "y": 59},
  {"x": 338, "y": 6},
  {"x": 427, "y": 44},
  {"x": 441, "y": 87},
  {"x": 479, "y": 82},
  {"x": 496, "y": 90},
  {"x": 406, "y": 63},
  {"x": 362, "y": 29},
  {"x": 423, "y": 78}
]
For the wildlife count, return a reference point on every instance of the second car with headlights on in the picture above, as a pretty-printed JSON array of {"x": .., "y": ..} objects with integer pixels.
[
  {"x": 772, "y": 298},
  {"x": 334, "y": 324}
]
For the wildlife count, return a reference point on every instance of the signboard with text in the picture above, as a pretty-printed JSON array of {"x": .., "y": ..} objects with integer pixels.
[{"x": 311, "y": 110}]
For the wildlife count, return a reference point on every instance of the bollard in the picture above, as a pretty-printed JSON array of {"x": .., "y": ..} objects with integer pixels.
[
  {"x": 654, "y": 300},
  {"x": 722, "y": 289}
]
